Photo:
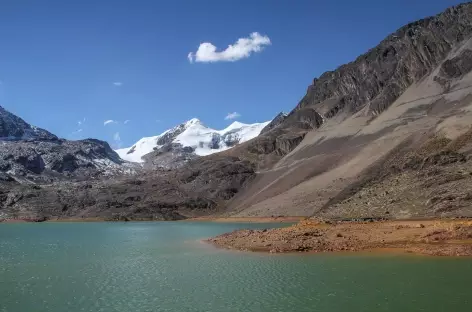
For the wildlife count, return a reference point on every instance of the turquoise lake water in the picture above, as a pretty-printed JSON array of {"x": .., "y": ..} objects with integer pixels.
[{"x": 162, "y": 266}]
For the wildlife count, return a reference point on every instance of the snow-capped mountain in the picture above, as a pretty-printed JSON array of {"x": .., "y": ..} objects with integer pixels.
[{"x": 195, "y": 137}]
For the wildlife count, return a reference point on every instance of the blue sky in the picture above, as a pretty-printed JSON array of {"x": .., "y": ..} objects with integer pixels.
[{"x": 62, "y": 62}]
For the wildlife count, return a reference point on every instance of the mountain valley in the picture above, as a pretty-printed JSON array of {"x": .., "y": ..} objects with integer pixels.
[{"x": 385, "y": 136}]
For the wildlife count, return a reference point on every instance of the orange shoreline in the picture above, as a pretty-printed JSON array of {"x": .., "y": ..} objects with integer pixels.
[{"x": 426, "y": 237}]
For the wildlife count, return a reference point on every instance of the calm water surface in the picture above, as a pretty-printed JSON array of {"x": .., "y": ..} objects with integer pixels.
[{"x": 162, "y": 267}]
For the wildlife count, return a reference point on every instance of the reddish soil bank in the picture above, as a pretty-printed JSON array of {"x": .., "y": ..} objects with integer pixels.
[{"x": 428, "y": 237}]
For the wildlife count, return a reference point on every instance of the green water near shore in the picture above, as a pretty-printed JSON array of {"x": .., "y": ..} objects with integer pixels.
[{"x": 145, "y": 266}]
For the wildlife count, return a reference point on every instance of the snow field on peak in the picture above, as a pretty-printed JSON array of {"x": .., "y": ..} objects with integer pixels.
[{"x": 204, "y": 140}]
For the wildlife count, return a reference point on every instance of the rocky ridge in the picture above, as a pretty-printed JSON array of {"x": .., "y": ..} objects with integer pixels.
[
  {"x": 200, "y": 188},
  {"x": 371, "y": 83},
  {"x": 29, "y": 153}
]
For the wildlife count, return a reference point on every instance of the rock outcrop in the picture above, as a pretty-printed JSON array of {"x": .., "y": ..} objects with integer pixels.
[
  {"x": 275, "y": 122},
  {"x": 169, "y": 156},
  {"x": 380, "y": 76}
]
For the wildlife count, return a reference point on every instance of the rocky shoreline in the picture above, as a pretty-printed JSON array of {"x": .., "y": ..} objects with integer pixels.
[{"x": 427, "y": 237}]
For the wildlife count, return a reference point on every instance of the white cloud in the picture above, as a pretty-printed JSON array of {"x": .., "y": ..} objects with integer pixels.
[
  {"x": 126, "y": 121},
  {"x": 81, "y": 122},
  {"x": 117, "y": 83},
  {"x": 242, "y": 48},
  {"x": 109, "y": 121},
  {"x": 233, "y": 115}
]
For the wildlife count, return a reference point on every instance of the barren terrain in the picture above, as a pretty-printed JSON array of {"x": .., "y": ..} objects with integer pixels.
[{"x": 428, "y": 237}]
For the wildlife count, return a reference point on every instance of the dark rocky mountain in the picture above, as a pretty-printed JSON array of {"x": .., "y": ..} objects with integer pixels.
[
  {"x": 15, "y": 128},
  {"x": 200, "y": 188},
  {"x": 34, "y": 154}
]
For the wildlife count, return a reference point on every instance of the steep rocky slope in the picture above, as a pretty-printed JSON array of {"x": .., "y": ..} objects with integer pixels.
[
  {"x": 372, "y": 82},
  {"x": 329, "y": 156}
]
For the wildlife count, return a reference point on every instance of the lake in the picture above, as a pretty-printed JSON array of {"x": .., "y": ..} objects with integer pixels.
[{"x": 162, "y": 266}]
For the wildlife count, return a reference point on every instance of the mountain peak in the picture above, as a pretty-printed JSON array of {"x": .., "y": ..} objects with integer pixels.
[
  {"x": 193, "y": 133},
  {"x": 235, "y": 125},
  {"x": 13, "y": 127},
  {"x": 193, "y": 121}
]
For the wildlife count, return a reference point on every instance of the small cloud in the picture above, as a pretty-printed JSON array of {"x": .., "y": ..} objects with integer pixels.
[
  {"x": 117, "y": 83},
  {"x": 126, "y": 121},
  {"x": 158, "y": 120},
  {"x": 109, "y": 121},
  {"x": 241, "y": 49},
  {"x": 233, "y": 115},
  {"x": 81, "y": 122}
]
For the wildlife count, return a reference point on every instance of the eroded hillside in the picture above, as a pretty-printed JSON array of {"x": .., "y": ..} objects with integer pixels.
[{"x": 329, "y": 155}]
